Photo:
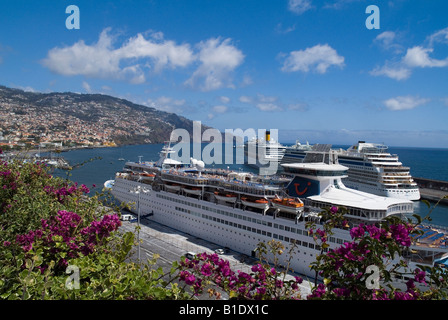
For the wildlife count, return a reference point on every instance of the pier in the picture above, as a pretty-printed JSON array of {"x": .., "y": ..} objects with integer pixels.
[{"x": 432, "y": 190}]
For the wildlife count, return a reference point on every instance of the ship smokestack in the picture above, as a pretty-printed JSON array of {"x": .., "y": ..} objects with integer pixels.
[{"x": 268, "y": 135}]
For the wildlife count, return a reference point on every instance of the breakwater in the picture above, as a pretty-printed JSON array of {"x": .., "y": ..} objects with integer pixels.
[{"x": 432, "y": 190}]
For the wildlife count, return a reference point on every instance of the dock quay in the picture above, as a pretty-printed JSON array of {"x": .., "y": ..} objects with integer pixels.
[
  {"x": 432, "y": 190},
  {"x": 57, "y": 162}
]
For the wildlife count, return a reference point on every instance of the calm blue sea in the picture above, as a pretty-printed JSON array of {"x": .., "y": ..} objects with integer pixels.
[{"x": 424, "y": 163}]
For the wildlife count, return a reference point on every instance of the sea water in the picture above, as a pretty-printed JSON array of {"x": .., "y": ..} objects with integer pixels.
[{"x": 101, "y": 164}]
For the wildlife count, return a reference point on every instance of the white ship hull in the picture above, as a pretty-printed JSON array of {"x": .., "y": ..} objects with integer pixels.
[
  {"x": 406, "y": 194},
  {"x": 237, "y": 229},
  {"x": 173, "y": 199}
]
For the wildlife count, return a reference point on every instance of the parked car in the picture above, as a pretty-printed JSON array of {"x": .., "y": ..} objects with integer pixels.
[{"x": 190, "y": 255}]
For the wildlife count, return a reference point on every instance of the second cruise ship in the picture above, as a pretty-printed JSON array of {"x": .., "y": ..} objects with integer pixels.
[{"x": 371, "y": 168}]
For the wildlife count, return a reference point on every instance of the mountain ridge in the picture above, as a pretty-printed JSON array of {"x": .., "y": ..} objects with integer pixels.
[{"x": 83, "y": 118}]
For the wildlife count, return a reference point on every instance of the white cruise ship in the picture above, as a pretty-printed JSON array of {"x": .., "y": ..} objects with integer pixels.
[
  {"x": 239, "y": 210},
  {"x": 295, "y": 153},
  {"x": 264, "y": 154},
  {"x": 371, "y": 169}
]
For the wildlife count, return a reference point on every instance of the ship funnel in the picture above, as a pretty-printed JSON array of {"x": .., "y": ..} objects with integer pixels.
[{"x": 268, "y": 135}]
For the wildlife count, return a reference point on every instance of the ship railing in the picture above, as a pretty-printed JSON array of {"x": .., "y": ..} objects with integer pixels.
[
  {"x": 186, "y": 179},
  {"x": 251, "y": 189}
]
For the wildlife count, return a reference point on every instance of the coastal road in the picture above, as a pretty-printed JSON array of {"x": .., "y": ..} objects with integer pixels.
[{"x": 171, "y": 244}]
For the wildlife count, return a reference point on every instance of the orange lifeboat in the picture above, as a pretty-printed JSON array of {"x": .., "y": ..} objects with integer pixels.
[
  {"x": 291, "y": 205},
  {"x": 260, "y": 203}
]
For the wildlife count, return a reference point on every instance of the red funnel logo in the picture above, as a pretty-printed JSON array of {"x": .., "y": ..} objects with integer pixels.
[{"x": 300, "y": 193}]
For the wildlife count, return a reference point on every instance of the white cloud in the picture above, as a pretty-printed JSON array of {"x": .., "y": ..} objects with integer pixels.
[
  {"x": 419, "y": 57},
  {"x": 246, "y": 99},
  {"x": 339, "y": 4},
  {"x": 415, "y": 57},
  {"x": 386, "y": 37},
  {"x": 318, "y": 58},
  {"x": 279, "y": 29},
  {"x": 298, "y": 107},
  {"x": 268, "y": 106},
  {"x": 101, "y": 60},
  {"x": 440, "y": 36},
  {"x": 168, "y": 104},
  {"x": 395, "y": 72},
  {"x": 272, "y": 103},
  {"x": 404, "y": 103},
  {"x": 218, "y": 60},
  {"x": 164, "y": 54},
  {"x": 224, "y": 99},
  {"x": 132, "y": 59},
  {"x": 445, "y": 101},
  {"x": 299, "y": 6},
  {"x": 220, "y": 109},
  {"x": 267, "y": 103},
  {"x": 387, "y": 41},
  {"x": 247, "y": 80},
  {"x": 86, "y": 87}
]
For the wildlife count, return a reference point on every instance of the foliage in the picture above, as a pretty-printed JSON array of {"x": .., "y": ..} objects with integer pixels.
[
  {"x": 55, "y": 238},
  {"x": 371, "y": 266},
  {"x": 210, "y": 272}
]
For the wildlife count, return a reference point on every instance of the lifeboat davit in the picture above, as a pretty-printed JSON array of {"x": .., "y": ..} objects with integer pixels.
[
  {"x": 172, "y": 187},
  {"x": 192, "y": 190},
  {"x": 227, "y": 197}
]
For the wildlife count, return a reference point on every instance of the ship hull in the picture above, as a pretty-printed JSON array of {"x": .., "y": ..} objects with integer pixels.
[{"x": 237, "y": 229}]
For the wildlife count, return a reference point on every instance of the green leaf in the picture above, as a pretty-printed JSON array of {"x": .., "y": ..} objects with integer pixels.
[
  {"x": 426, "y": 202},
  {"x": 418, "y": 217}
]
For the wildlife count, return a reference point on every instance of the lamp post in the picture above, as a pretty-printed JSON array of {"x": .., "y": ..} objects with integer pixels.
[{"x": 138, "y": 190}]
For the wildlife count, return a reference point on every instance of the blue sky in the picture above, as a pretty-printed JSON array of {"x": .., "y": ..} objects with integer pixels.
[{"x": 311, "y": 69}]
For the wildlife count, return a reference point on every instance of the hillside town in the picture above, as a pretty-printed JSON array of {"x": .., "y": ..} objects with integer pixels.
[{"x": 64, "y": 120}]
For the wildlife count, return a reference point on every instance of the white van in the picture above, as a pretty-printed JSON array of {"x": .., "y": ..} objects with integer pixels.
[
  {"x": 126, "y": 217},
  {"x": 190, "y": 255}
]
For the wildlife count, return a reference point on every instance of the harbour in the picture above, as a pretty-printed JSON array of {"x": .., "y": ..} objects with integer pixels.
[
  {"x": 433, "y": 190},
  {"x": 316, "y": 135},
  {"x": 239, "y": 210},
  {"x": 424, "y": 162}
]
